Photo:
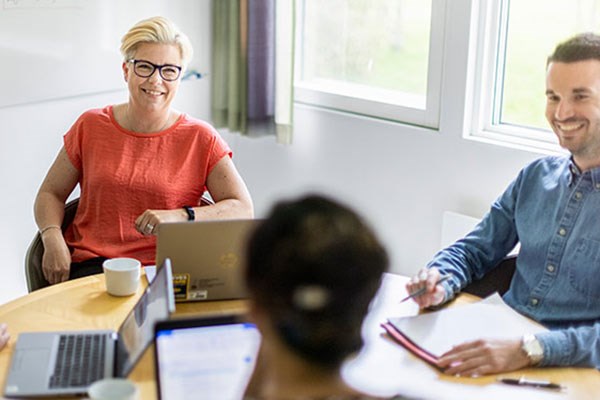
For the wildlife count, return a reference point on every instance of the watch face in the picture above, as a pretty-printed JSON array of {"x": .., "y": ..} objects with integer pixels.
[{"x": 533, "y": 348}]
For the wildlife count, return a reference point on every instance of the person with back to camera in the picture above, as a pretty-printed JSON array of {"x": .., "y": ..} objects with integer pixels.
[
  {"x": 552, "y": 210},
  {"x": 138, "y": 164},
  {"x": 303, "y": 264}
]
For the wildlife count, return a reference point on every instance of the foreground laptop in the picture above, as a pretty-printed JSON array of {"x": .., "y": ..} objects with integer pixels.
[
  {"x": 204, "y": 358},
  {"x": 207, "y": 257},
  {"x": 47, "y": 363}
]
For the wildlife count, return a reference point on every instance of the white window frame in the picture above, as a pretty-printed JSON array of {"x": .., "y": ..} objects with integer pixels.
[
  {"x": 487, "y": 102},
  {"x": 379, "y": 103}
]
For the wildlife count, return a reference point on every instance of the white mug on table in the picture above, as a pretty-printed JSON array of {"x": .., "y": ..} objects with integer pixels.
[
  {"x": 113, "y": 389},
  {"x": 122, "y": 275}
]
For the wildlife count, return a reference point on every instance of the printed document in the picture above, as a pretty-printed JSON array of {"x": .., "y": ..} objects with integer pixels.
[{"x": 436, "y": 332}]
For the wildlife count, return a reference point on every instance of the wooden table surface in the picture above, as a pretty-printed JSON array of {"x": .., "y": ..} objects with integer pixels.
[{"x": 383, "y": 367}]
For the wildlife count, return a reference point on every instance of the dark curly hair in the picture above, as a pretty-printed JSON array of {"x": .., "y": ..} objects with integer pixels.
[{"x": 314, "y": 265}]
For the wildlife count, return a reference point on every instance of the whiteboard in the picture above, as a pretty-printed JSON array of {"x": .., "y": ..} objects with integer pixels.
[{"x": 52, "y": 49}]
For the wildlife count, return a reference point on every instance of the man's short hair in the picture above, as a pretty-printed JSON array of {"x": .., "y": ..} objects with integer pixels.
[{"x": 581, "y": 47}]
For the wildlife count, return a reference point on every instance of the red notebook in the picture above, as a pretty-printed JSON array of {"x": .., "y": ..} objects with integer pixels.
[{"x": 408, "y": 344}]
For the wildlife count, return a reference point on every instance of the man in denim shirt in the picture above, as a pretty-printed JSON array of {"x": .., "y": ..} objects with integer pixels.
[{"x": 552, "y": 209}]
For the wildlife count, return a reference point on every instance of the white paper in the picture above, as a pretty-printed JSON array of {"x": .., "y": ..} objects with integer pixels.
[{"x": 490, "y": 318}]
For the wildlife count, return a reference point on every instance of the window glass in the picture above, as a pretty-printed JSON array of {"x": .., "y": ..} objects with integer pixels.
[
  {"x": 533, "y": 28},
  {"x": 367, "y": 48}
]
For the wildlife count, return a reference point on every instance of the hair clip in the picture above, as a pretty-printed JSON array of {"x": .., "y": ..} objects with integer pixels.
[{"x": 310, "y": 297}]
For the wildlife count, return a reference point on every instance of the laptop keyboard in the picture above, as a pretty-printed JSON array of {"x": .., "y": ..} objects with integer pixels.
[{"x": 80, "y": 360}]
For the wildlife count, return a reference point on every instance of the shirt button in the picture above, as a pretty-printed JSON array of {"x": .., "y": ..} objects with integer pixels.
[
  {"x": 550, "y": 268},
  {"x": 578, "y": 195},
  {"x": 534, "y": 302},
  {"x": 562, "y": 231}
]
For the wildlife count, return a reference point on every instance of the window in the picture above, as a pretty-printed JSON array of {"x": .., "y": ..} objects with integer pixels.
[
  {"x": 513, "y": 51},
  {"x": 381, "y": 58}
]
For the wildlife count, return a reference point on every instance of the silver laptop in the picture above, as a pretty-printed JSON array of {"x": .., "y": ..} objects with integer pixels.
[
  {"x": 67, "y": 363},
  {"x": 208, "y": 358},
  {"x": 207, "y": 257}
]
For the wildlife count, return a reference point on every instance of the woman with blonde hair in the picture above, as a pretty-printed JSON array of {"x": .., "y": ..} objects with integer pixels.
[{"x": 138, "y": 164}]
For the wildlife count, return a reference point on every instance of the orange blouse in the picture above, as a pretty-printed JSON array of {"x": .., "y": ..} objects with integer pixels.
[{"x": 123, "y": 173}]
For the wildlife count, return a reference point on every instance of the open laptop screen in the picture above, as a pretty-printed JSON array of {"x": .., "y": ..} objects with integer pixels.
[
  {"x": 205, "y": 358},
  {"x": 136, "y": 332}
]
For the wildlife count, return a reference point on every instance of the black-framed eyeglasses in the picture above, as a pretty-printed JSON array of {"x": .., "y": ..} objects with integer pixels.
[{"x": 145, "y": 69}]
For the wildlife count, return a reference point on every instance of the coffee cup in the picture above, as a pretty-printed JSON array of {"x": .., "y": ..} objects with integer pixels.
[
  {"x": 122, "y": 275},
  {"x": 113, "y": 389}
]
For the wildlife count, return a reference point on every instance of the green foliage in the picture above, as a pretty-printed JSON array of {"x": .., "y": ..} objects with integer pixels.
[
  {"x": 385, "y": 44},
  {"x": 372, "y": 42},
  {"x": 534, "y": 29}
]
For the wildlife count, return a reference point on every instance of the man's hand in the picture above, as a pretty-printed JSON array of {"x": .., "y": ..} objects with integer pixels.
[
  {"x": 485, "y": 356},
  {"x": 56, "y": 261},
  {"x": 4, "y": 336},
  {"x": 147, "y": 223},
  {"x": 427, "y": 278}
]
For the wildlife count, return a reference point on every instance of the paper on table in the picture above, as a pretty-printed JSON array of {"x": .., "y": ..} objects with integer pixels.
[
  {"x": 150, "y": 271},
  {"x": 438, "y": 331},
  {"x": 410, "y": 346}
]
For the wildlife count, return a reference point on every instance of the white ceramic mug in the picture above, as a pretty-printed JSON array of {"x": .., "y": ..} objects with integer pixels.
[
  {"x": 122, "y": 275},
  {"x": 113, "y": 389}
]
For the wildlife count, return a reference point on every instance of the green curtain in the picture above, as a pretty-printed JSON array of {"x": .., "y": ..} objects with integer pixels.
[
  {"x": 229, "y": 67},
  {"x": 253, "y": 67}
]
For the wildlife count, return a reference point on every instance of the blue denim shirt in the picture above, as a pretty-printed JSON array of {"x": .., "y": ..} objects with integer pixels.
[{"x": 553, "y": 210}]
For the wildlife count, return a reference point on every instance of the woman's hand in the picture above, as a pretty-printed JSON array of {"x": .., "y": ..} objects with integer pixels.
[
  {"x": 56, "y": 262},
  {"x": 147, "y": 223},
  {"x": 434, "y": 293},
  {"x": 485, "y": 356}
]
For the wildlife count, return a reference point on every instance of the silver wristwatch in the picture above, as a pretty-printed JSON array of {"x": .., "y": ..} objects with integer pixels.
[{"x": 532, "y": 348}]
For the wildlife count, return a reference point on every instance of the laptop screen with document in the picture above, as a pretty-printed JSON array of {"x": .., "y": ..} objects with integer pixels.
[{"x": 205, "y": 357}]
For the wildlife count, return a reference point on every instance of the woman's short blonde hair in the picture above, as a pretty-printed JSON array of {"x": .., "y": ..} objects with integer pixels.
[{"x": 156, "y": 30}]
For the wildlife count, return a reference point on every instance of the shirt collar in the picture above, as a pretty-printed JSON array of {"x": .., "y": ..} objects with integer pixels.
[
  {"x": 596, "y": 178},
  {"x": 575, "y": 174}
]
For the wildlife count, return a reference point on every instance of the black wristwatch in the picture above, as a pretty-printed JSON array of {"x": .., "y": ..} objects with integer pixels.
[{"x": 190, "y": 212}]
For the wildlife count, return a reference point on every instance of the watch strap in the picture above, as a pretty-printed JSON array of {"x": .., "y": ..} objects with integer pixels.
[{"x": 190, "y": 212}]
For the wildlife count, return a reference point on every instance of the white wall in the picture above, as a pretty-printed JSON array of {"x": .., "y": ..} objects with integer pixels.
[
  {"x": 400, "y": 178},
  {"x": 402, "y": 181}
]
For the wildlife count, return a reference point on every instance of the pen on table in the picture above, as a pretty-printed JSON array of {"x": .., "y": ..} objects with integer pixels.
[
  {"x": 531, "y": 383},
  {"x": 424, "y": 289}
]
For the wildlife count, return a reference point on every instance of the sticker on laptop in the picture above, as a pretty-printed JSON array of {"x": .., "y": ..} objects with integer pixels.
[
  {"x": 198, "y": 295},
  {"x": 181, "y": 286}
]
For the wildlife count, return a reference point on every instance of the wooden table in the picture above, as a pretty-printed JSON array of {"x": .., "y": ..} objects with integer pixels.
[
  {"x": 382, "y": 367},
  {"x": 84, "y": 304}
]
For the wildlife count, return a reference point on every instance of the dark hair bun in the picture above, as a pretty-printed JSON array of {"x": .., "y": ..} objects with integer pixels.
[{"x": 314, "y": 265}]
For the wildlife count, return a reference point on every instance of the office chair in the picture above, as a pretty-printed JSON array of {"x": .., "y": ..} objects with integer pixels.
[
  {"x": 497, "y": 280},
  {"x": 33, "y": 257}
]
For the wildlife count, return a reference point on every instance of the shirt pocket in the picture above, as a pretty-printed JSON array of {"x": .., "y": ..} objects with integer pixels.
[{"x": 584, "y": 269}]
